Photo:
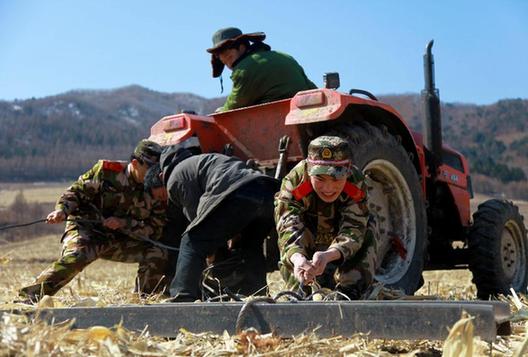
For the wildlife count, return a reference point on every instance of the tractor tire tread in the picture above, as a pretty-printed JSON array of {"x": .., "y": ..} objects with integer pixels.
[{"x": 484, "y": 246}]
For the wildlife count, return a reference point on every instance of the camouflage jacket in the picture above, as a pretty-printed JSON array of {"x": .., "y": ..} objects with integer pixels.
[
  {"x": 108, "y": 189},
  {"x": 306, "y": 224}
]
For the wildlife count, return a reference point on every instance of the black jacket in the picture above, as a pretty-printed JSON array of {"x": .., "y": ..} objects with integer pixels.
[{"x": 197, "y": 184}]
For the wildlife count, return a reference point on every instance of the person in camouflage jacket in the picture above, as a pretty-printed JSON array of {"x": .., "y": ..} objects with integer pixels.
[
  {"x": 326, "y": 234},
  {"x": 108, "y": 216}
]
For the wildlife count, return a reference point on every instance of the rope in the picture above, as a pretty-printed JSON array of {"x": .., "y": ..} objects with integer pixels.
[
  {"x": 3, "y": 228},
  {"x": 96, "y": 221}
]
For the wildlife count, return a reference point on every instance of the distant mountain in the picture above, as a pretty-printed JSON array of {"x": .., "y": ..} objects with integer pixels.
[
  {"x": 59, "y": 137},
  {"x": 493, "y": 137}
]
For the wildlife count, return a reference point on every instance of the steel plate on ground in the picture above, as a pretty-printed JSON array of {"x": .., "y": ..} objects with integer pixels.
[{"x": 382, "y": 319}]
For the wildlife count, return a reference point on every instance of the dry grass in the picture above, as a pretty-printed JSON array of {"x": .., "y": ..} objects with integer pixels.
[
  {"x": 105, "y": 283},
  {"x": 33, "y": 192}
]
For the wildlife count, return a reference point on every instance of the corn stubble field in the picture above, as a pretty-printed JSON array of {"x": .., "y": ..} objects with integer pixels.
[{"x": 107, "y": 283}]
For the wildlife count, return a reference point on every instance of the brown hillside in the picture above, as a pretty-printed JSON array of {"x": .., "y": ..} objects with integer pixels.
[
  {"x": 493, "y": 137},
  {"x": 60, "y": 136}
]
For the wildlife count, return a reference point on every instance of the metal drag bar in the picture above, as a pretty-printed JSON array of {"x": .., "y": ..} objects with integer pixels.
[{"x": 410, "y": 320}]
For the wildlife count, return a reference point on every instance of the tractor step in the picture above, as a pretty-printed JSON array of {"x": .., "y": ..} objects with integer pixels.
[{"x": 409, "y": 320}]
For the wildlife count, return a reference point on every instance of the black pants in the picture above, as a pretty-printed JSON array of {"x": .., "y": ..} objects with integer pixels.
[{"x": 247, "y": 211}]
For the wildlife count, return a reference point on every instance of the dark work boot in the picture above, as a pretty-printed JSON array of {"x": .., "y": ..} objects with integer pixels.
[{"x": 180, "y": 298}]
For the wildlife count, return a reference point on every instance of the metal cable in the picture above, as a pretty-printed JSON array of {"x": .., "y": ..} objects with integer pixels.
[
  {"x": 232, "y": 295},
  {"x": 336, "y": 294},
  {"x": 82, "y": 220},
  {"x": 244, "y": 309},
  {"x": 22, "y": 224},
  {"x": 233, "y": 261},
  {"x": 236, "y": 297},
  {"x": 272, "y": 300},
  {"x": 320, "y": 291},
  {"x": 289, "y": 294}
]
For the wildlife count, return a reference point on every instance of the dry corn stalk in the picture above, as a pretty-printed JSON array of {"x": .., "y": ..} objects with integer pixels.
[
  {"x": 459, "y": 343},
  {"x": 522, "y": 350}
]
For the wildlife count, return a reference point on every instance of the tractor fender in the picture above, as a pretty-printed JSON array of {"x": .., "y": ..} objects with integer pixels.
[{"x": 319, "y": 106}]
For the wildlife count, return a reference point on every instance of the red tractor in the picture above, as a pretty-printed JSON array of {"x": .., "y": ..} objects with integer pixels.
[{"x": 419, "y": 188}]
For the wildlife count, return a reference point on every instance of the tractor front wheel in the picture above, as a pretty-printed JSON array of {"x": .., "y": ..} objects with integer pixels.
[{"x": 498, "y": 249}]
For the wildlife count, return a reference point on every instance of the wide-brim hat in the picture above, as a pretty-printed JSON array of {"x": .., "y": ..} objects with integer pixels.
[{"x": 227, "y": 37}]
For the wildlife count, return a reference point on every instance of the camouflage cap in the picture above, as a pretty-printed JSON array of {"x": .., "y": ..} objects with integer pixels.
[
  {"x": 148, "y": 151},
  {"x": 329, "y": 155}
]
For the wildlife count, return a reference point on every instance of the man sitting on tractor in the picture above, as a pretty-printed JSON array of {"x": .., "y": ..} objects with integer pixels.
[
  {"x": 326, "y": 236},
  {"x": 260, "y": 75}
]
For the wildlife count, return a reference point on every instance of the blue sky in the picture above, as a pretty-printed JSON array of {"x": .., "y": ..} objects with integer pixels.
[{"x": 49, "y": 47}]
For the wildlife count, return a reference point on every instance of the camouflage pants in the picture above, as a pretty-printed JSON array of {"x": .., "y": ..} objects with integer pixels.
[
  {"x": 353, "y": 277},
  {"x": 81, "y": 246}
]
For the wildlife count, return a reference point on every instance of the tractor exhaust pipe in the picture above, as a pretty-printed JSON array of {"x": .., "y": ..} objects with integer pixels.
[{"x": 432, "y": 124}]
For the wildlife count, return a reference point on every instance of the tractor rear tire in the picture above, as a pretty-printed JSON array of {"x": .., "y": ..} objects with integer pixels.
[
  {"x": 498, "y": 249},
  {"x": 395, "y": 198}
]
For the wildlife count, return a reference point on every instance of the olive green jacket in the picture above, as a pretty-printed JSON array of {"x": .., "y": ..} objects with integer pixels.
[{"x": 262, "y": 76}]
